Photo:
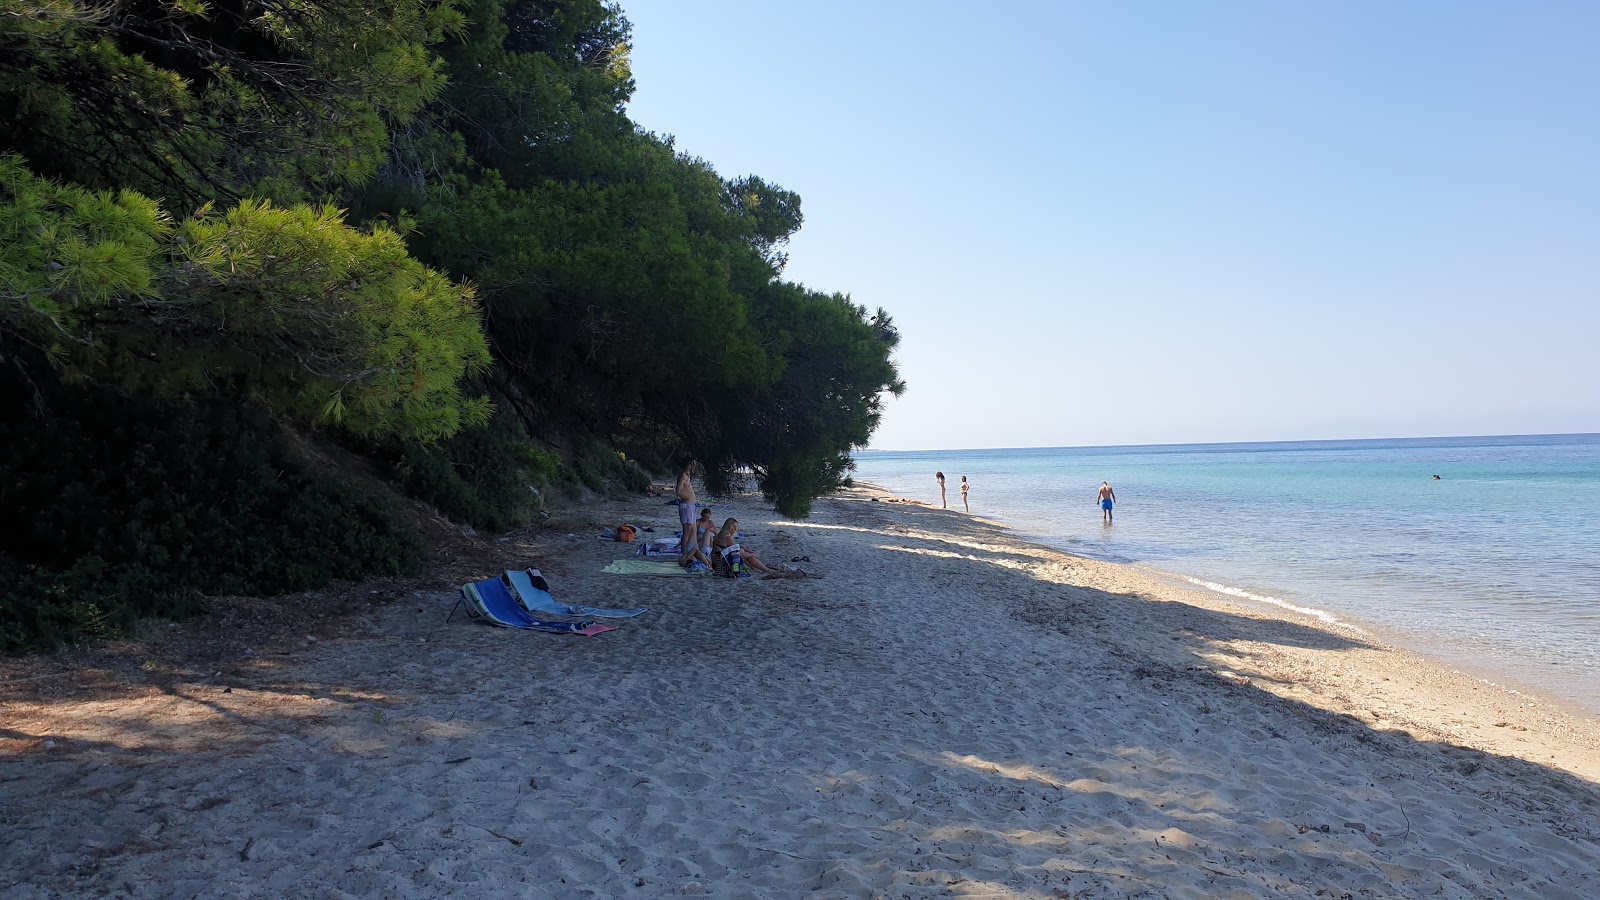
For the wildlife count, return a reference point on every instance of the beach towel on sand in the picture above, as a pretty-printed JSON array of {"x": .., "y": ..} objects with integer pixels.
[
  {"x": 649, "y": 567},
  {"x": 666, "y": 547},
  {"x": 491, "y": 600},
  {"x": 661, "y": 548},
  {"x": 536, "y": 599}
]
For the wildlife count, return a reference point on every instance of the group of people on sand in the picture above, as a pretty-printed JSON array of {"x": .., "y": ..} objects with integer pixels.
[
  {"x": 709, "y": 547},
  {"x": 1106, "y": 499}
]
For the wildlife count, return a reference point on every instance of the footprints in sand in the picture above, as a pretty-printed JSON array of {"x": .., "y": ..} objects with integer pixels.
[{"x": 1010, "y": 735}]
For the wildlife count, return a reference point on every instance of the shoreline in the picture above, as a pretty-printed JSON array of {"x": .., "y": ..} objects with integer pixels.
[
  {"x": 1434, "y": 647},
  {"x": 1432, "y": 656},
  {"x": 946, "y": 711},
  {"x": 1560, "y": 718}
]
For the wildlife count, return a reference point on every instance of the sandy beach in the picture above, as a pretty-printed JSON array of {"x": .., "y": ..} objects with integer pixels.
[{"x": 945, "y": 711}]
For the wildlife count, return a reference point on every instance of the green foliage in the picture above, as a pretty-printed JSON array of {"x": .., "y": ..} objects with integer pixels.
[
  {"x": 40, "y": 608},
  {"x": 172, "y": 271},
  {"x": 120, "y": 508},
  {"x": 606, "y": 471},
  {"x": 768, "y": 216},
  {"x": 190, "y": 101},
  {"x": 491, "y": 477},
  {"x": 318, "y": 319},
  {"x": 596, "y": 295},
  {"x": 633, "y": 294},
  {"x": 795, "y": 433},
  {"x": 536, "y": 89}
]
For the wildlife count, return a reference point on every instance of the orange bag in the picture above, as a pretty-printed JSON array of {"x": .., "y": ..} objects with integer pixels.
[{"x": 625, "y": 533}]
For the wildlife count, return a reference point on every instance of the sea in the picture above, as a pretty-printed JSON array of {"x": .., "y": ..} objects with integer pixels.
[{"x": 1493, "y": 568}]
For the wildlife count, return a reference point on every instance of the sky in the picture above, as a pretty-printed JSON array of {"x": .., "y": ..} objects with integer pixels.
[{"x": 1173, "y": 222}]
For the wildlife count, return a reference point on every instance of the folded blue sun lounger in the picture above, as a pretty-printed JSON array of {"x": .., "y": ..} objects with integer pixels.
[
  {"x": 535, "y": 595},
  {"x": 491, "y": 600}
]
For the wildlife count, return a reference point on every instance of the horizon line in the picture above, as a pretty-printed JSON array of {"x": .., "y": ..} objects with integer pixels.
[{"x": 1438, "y": 437}]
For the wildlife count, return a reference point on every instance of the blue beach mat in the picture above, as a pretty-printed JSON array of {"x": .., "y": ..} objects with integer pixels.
[
  {"x": 493, "y": 601},
  {"x": 538, "y": 600}
]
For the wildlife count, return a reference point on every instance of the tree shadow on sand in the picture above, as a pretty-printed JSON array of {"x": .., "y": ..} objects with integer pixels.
[
  {"x": 765, "y": 740},
  {"x": 1210, "y": 789}
]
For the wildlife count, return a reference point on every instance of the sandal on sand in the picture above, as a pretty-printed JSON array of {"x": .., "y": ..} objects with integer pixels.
[{"x": 800, "y": 559}]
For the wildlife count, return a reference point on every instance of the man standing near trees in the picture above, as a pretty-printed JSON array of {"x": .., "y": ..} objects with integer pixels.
[{"x": 687, "y": 510}]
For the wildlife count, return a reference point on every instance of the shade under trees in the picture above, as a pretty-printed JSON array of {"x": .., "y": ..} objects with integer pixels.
[{"x": 426, "y": 225}]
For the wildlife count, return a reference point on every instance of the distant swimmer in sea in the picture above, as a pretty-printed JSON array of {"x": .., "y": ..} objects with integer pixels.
[
  {"x": 939, "y": 477},
  {"x": 1435, "y": 478},
  {"x": 964, "y": 487},
  {"x": 1108, "y": 498}
]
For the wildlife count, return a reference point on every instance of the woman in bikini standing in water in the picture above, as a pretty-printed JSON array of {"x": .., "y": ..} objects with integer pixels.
[
  {"x": 939, "y": 477},
  {"x": 964, "y": 487}
]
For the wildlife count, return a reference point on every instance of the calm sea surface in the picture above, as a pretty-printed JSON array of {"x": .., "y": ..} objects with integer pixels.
[{"x": 1495, "y": 568}]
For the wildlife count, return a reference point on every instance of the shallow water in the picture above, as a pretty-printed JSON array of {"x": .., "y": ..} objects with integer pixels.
[{"x": 1494, "y": 568}]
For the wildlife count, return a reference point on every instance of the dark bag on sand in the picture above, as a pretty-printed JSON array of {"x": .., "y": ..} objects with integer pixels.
[{"x": 727, "y": 561}]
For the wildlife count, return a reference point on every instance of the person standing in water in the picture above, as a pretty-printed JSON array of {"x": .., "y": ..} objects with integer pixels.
[
  {"x": 939, "y": 477},
  {"x": 1108, "y": 498},
  {"x": 964, "y": 487}
]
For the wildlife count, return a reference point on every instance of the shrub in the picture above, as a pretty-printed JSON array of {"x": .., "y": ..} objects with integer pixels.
[
  {"x": 121, "y": 507},
  {"x": 485, "y": 477},
  {"x": 323, "y": 321},
  {"x": 606, "y": 471}
]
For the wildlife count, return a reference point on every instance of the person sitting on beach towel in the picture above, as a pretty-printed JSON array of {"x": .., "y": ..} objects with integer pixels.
[
  {"x": 706, "y": 532},
  {"x": 726, "y": 548}
]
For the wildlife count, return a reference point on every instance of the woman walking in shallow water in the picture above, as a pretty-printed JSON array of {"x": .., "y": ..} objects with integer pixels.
[
  {"x": 964, "y": 487},
  {"x": 939, "y": 477}
]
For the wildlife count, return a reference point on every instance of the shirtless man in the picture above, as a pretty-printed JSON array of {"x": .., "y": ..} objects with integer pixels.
[
  {"x": 1108, "y": 498},
  {"x": 688, "y": 545}
]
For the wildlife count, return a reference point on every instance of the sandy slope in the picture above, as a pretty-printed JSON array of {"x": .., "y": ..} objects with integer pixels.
[{"x": 948, "y": 712}]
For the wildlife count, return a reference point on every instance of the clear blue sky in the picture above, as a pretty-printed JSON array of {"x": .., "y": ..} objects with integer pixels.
[{"x": 1151, "y": 222}]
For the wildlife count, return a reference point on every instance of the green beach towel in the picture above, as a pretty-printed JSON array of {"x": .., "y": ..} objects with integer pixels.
[{"x": 649, "y": 567}]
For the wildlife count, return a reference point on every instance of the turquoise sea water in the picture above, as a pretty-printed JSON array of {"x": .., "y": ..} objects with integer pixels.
[{"x": 1495, "y": 568}]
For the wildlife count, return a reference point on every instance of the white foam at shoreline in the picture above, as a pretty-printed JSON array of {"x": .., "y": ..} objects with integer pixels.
[{"x": 1320, "y": 615}]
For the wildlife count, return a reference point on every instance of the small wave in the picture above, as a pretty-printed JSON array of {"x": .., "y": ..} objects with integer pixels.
[{"x": 1318, "y": 614}]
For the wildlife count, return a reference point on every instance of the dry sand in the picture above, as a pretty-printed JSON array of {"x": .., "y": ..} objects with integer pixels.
[{"x": 946, "y": 712}]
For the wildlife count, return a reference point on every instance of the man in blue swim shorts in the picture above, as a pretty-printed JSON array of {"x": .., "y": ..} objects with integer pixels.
[{"x": 1108, "y": 498}]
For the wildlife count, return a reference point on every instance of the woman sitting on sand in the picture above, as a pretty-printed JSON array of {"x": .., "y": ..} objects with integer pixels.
[
  {"x": 724, "y": 545},
  {"x": 706, "y": 531}
]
